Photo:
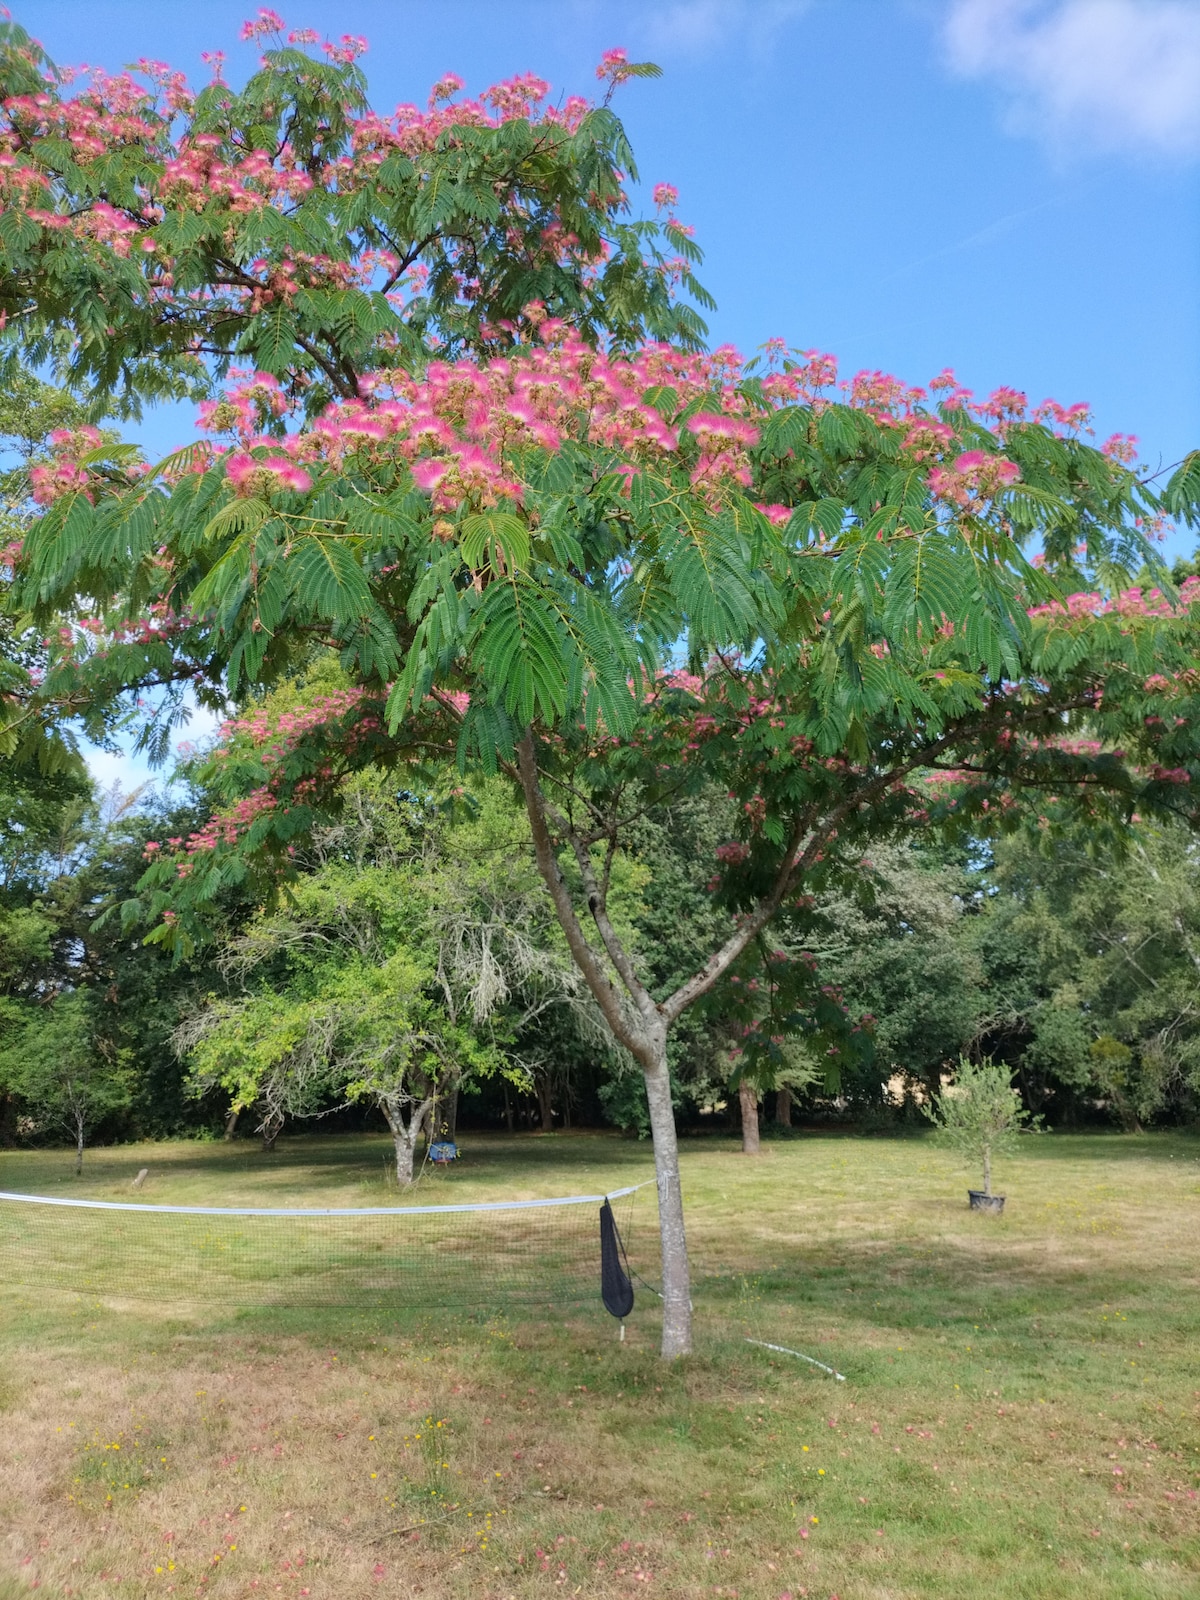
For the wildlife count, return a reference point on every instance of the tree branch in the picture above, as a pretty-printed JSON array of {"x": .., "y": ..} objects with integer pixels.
[{"x": 587, "y": 960}]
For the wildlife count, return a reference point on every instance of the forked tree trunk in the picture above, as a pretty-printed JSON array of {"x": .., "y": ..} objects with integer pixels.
[
  {"x": 405, "y": 1135},
  {"x": 637, "y": 1019},
  {"x": 231, "y": 1121},
  {"x": 748, "y": 1098},
  {"x": 783, "y": 1106},
  {"x": 676, "y": 1278},
  {"x": 642, "y": 1026}
]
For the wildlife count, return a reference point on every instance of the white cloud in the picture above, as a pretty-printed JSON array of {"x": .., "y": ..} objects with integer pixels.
[
  {"x": 701, "y": 25},
  {"x": 1109, "y": 74}
]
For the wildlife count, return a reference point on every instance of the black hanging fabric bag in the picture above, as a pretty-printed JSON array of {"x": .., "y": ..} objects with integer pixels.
[{"x": 615, "y": 1288}]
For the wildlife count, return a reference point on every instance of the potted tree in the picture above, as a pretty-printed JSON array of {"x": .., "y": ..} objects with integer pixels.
[{"x": 980, "y": 1115}]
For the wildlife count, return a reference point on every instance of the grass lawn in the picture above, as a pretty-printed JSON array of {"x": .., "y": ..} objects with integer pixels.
[{"x": 1021, "y": 1416}]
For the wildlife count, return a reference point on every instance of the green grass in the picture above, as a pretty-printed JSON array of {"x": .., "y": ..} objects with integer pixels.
[{"x": 1021, "y": 1416}]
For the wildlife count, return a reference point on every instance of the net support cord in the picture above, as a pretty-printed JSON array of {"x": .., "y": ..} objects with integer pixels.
[
  {"x": 307, "y": 1211},
  {"x": 799, "y": 1354}
]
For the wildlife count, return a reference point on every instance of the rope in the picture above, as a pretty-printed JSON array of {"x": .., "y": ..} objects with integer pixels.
[{"x": 812, "y": 1361}]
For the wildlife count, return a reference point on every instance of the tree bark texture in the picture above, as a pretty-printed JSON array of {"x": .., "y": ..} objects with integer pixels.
[
  {"x": 783, "y": 1106},
  {"x": 676, "y": 1274},
  {"x": 748, "y": 1100}
]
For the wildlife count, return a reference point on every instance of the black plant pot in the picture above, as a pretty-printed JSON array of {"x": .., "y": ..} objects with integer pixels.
[{"x": 986, "y": 1202}]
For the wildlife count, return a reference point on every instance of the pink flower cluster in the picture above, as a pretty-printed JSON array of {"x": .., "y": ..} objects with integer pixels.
[
  {"x": 251, "y": 476},
  {"x": 254, "y": 398},
  {"x": 1129, "y": 603},
  {"x": 225, "y": 827},
  {"x": 274, "y": 736},
  {"x": 462, "y": 426},
  {"x": 267, "y": 22},
  {"x": 65, "y": 473},
  {"x": 614, "y": 67},
  {"x": 724, "y": 439},
  {"x": 732, "y": 853},
  {"x": 972, "y": 479},
  {"x": 1121, "y": 447}
]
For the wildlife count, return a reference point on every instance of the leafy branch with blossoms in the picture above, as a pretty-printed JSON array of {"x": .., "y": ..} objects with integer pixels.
[{"x": 176, "y": 230}]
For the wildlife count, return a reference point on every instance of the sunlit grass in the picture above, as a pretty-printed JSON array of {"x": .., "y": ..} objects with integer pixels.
[{"x": 1020, "y": 1416}]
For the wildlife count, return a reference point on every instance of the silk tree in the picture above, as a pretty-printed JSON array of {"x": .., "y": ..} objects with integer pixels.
[
  {"x": 481, "y": 462},
  {"x": 615, "y": 576}
]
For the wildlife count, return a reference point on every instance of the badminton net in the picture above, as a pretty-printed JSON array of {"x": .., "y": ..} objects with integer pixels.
[{"x": 492, "y": 1253}]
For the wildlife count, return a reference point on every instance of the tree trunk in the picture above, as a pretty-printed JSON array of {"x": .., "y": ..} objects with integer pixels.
[
  {"x": 542, "y": 1090},
  {"x": 451, "y": 1116},
  {"x": 405, "y": 1135},
  {"x": 404, "y": 1143},
  {"x": 676, "y": 1281},
  {"x": 1128, "y": 1116},
  {"x": 270, "y": 1130},
  {"x": 987, "y": 1169},
  {"x": 231, "y": 1121},
  {"x": 78, "y": 1149},
  {"x": 748, "y": 1098},
  {"x": 783, "y": 1106},
  {"x": 642, "y": 1030},
  {"x": 508, "y": 1110}
]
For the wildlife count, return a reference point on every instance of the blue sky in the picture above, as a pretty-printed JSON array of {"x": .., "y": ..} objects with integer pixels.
[{"x": 1007, "y": 187}]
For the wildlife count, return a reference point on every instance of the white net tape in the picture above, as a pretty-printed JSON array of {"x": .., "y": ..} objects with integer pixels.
[{"x": 488, "y": 1253}]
